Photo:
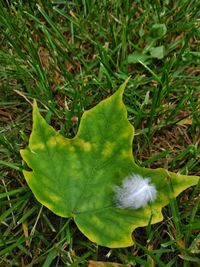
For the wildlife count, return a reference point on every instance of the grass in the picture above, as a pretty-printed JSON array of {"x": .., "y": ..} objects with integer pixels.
[{"x": 69, "y": 55}]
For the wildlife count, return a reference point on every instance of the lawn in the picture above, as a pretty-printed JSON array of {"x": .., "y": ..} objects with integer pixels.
[{"x": 70, "y": 55}]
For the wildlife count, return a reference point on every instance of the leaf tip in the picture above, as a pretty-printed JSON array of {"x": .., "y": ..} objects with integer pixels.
[
  {"x": 21, "y": 151},
  {"x": 35, "y": 106},
  {"x": 35, "y": 113},
  {"x": 123, "y": 85}
]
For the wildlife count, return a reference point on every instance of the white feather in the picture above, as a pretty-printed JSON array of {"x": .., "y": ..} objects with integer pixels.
[{"x": 136, "y": 192}]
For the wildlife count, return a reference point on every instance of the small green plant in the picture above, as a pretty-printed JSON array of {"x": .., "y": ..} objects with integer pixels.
[{"x": 88, "y": 177}]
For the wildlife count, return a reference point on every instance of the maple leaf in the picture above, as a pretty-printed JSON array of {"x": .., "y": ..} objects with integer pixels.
[{"x": 78, "y": 177}]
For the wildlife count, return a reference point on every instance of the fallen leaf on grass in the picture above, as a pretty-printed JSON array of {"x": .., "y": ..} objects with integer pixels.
[{"x": 78, "y": 177}]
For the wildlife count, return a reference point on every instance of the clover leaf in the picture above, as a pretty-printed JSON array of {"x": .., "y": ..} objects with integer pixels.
[{"x": 78, "y": 177}]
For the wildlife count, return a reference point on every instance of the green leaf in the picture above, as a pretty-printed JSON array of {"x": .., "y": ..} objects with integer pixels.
[
  {"x": 158, "y": 30},
  {"x": 136, "y": 57},
  {"x": 157, "y": 52},
  {"x": 77, "y": 177}
]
